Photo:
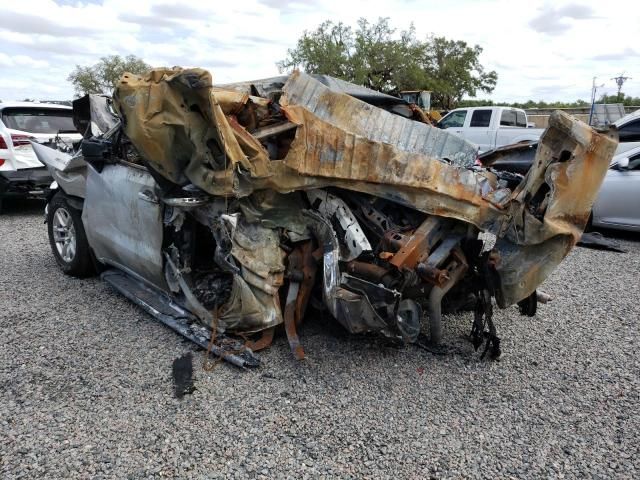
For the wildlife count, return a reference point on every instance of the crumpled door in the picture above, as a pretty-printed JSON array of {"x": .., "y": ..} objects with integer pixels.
[{"x": 123, "y": 220}]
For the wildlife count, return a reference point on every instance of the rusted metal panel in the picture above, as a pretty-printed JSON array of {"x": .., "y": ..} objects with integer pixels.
[
  {"x": 374, "y": 124},
  {"x": 570, "y": 165},
  {"x": 323, "y": 150},
  {"x": 417, "y": 247},
  {"x": 182, "y": 130}
]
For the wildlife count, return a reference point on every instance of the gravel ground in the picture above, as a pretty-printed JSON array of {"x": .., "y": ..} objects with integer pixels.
[{"x": 86, "y": 388}]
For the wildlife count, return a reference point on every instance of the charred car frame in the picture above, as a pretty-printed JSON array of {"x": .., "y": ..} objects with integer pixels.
[{"x": 227, "y": 211}]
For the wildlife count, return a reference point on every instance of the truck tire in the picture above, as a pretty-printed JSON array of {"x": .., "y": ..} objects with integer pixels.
[{"x": 67, "y": 238}]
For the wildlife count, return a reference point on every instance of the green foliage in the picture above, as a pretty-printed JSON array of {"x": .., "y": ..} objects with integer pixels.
[
  {"x": 103, "y": 76},
  {"x": 625, "y": 100},
  {"x": 324, "y": 50},
  {"x": 375, "y": 56},
  {"x": 454, "y": 70},
  {"x": 529, "y": 104},
  {"x": 380, "y": 62}
]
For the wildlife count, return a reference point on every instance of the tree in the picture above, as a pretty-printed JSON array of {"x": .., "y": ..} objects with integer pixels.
[
  {"x": 454, "y": 71},
  {"x": 381, "y": 62},
  {"x": 103, "y": 76},
  {"x": 375, "y": 56},
  {"x": 621, "y": 98},
  {"x": 326, "y": 50}
]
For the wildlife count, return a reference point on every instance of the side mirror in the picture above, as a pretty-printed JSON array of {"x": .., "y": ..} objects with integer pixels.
[
  {"x": 96, "y": 152},
  {"x": 622, "y": 164}
]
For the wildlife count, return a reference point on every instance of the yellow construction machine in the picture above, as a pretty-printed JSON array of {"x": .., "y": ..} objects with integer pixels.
[{"x": 422, "y": 101}]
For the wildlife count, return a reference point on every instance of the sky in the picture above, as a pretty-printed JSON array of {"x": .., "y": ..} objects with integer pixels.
[{"x": 541, "y": 50}]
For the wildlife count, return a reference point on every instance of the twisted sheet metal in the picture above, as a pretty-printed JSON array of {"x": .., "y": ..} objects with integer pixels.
[{"x": 375, "y": 124}]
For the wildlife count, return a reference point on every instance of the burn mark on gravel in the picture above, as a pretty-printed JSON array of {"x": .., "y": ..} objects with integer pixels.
[{"x": 183, "y": 375}]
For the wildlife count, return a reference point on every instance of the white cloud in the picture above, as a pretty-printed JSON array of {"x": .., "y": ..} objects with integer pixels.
[
  {"x": 555, "y": 20},
  {"x": 21, "y": 61},
  {"x": 540, "y": 50}
]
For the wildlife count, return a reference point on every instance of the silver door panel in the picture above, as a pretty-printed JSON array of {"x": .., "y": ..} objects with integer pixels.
[{"x": 123, "y": 220}]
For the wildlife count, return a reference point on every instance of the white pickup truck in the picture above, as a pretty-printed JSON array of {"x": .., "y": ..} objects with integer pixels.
[{"x": 490, "y": 127}]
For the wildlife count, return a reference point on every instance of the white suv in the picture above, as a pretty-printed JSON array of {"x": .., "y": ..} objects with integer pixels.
[{"x": 21, "y": 174}]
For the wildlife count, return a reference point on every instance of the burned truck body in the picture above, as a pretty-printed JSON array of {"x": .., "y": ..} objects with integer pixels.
[{"x": 227, "y": 211}]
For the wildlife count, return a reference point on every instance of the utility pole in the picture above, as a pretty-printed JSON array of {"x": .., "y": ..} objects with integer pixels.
[
  {"x": 594, "y": 89},
  {"x": 620, "y": 81}
]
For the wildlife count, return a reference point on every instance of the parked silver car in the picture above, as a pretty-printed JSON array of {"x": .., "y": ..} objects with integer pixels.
[{"x": 618, "y": 203}]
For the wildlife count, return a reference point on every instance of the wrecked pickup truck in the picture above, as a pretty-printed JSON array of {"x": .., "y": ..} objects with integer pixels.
[{"x": 227, "y": 211}]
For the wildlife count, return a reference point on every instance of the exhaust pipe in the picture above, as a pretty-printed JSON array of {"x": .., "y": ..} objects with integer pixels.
[{"x": 434, "y": 305}]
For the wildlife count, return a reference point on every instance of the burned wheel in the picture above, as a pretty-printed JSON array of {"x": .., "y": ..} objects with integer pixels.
[{"x": 67, "y": 238}]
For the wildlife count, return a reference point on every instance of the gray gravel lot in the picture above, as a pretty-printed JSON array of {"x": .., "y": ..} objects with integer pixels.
[{"x": 86, "y": 388}]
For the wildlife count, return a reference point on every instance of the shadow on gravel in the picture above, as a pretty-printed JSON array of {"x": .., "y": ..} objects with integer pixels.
[
  {"x": 13, "y": 207},
  {"x": 619, "y": 234},
  {"x": 332, "y": 337},
  {"x": 598, "y": 241}
]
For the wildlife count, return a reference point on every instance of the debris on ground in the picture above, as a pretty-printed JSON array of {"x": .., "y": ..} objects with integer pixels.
[{"x": 183, "y": 375}]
